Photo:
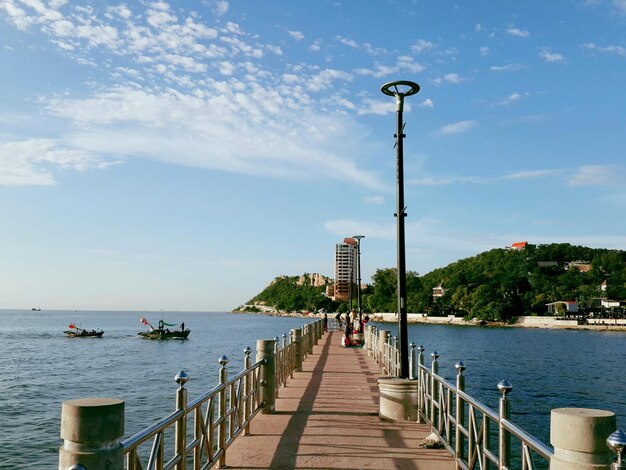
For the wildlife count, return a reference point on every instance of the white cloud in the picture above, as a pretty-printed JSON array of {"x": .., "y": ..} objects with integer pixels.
[
  {"x": 594, "y": 175},
  {"x": 282, "y": 139},
  {"x": 379, "y": 107},
  {"x": 297, "y": 35},
  {"x": 427, "y": 103},
  {"x": 520, "y": 33},
  {"x": 551, "y": 57},
  {"x": 448, "y": 78},
  {"x": 484, "y": 51},
  {"x": 512, "y": 98},
  {"x": 619, "y": 50},
  {"x": 33, "y": 162},
  {"x": 458, "y": 127},
  {"x": 506, "y": 68},
  {"x": 422, "y": 46},
  {"x": 221, "y": 7}
]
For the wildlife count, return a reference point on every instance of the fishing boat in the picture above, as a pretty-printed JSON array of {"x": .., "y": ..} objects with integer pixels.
[
  {"x": 162, "y": 332},
  {"x": 76, "y": 332}
]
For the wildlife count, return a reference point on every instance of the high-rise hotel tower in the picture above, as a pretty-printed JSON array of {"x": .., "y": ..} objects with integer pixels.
[{"x": 345, "y": 268}]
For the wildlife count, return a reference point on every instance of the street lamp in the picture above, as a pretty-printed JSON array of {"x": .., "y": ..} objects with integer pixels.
[
  {"x": 399, "y": 90},
  {"x": 358, "y": 275}
]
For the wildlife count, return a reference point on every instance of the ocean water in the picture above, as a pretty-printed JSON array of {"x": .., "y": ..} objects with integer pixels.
[{"x": 40, "y": 368}]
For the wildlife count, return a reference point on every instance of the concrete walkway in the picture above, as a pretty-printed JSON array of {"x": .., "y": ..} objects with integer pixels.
[{"x": 327, "y": 418}]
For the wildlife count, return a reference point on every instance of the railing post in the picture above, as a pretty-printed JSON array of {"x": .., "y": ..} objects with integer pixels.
[
  {"x": 296, "y": 334},
  {"x": 180, "y": 445},
  {"x": 310, "y": 342},
  {"x": 412, "y": 361},
  {"x": 277, "y": 370},
  {"x": 504, "y": 438},
  {"x": 460, "y": 413},
  {"x": 91, "y": 429},
  {"x": 617, "y": 442},
  {"x": 265, "y": 353},
  {"x": 396, "y": 356},
  {"x": 383, "y": 339},
  {"x": 434, "y": 391},
  {"x": 221, "y": 439},
  {"x": 420, "y": 384},
  {"x": 247, "y": 387}
]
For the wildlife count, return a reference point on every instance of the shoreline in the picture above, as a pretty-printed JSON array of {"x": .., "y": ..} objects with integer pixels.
[{"x": 522, "y": 322}]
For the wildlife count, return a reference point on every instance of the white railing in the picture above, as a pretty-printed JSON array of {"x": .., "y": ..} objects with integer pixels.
[
  {"x": 476, "y": 436},
  {"x": 221, "y": 414}
]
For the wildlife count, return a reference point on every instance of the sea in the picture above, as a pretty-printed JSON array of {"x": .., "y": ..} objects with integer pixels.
[{"x": 40, "y": 368}]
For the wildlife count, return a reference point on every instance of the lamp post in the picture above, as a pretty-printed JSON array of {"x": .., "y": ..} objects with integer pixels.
[
  {"x": 399, "y": 90},
  {"x": 358, "y": 278}
]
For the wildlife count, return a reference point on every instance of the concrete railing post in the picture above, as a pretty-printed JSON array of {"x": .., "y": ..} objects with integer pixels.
[
  {"x": 247, "y": 404},
  {"x": 420, "y": 384},
  {"x": 180, "y": 445},
  {"x": 91, "y": 429},
  {"x": 434, "y": 389},
  {"x": 578, "y": 436},
  {"x": 460, "y": 413},
  {"x": 221, "y": 433},
  {"x": 504, "y": 438},
  {"x": 296, "y": 334},
  {"x": 265, "y": 353}
]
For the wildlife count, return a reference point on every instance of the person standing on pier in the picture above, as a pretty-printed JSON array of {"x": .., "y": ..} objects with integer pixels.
[
  {"x": 325, "y": 322},
  {"x": 338, "y": 318}
]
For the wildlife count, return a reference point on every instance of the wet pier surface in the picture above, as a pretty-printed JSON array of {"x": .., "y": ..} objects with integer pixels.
[{"x": 327, "y": 418}]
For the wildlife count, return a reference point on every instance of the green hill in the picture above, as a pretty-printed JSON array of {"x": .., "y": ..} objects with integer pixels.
[{"x": 494, "y": 286}]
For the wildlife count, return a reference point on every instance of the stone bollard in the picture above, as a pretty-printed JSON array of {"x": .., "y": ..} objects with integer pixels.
[
  {"x": 265, "y": 353},
  {"x": 578, "y": 436},
  {"x": 91, "y": 429},
  {"x": 397, "y": 399}
]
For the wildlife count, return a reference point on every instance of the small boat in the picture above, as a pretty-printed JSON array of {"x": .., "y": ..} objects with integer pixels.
[
  {"x": 76, "y": 332},
  {"x": 162, "y": 332},
  {"x": 165, "y": 334}
]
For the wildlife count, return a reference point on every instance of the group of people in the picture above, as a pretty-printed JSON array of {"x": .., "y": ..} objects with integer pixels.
[{"x": 349, "y": 328}]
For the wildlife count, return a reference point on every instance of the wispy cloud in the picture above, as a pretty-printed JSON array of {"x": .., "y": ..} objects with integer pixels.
[
  {"x": 205, "y": 84},
  {"x": 520, "y": 33},
  {"x": 427, "y": 103},
  {"x": 484, "y": 51},
  {"x": 506, "y": 68},
  {"x": 422, "y": 46},
  {"x": 458, "y": 127},
  {"x": 594, "y": 175},
  {"x": 297, "y": 35},
  {"x": 552, "y": 57},
  {"x": 619, "y": 50},
  {"x": 367, "y": 47},
  {"x": 512, "y": 98},
  {"x": 453, "y": 78}
]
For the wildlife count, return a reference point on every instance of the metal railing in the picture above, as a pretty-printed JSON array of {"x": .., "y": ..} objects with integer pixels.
[
  {"x": 219, "y": 415},
  {"x": 475, "y": 435}
]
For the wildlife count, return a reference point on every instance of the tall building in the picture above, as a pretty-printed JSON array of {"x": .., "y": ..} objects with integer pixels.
[{"x": 345, "y": 269}]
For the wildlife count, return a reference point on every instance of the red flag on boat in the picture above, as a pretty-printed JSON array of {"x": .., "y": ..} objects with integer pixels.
[
  {"x": 143, "y": 320},
  {"x": 72, "y": 325}
]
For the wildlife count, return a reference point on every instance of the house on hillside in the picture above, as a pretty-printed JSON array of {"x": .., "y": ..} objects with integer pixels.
[
  {"x": 439, "y": 291},
  {"x": 571, "y": 306},
  {"x": 582, "y": 266},
  {"x": 518, "y": 245}
]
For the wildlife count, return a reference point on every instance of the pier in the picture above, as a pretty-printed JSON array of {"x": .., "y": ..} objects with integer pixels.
[
  {"x": 307, "y": 402},
  {"x": 327, "y": 417}
]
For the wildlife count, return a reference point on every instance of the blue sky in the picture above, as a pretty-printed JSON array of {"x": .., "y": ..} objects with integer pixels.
[{"x": 180, "y": 155}]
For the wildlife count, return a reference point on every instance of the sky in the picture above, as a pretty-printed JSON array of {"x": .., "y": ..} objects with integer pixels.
[{"x": 179, "y": 155}]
